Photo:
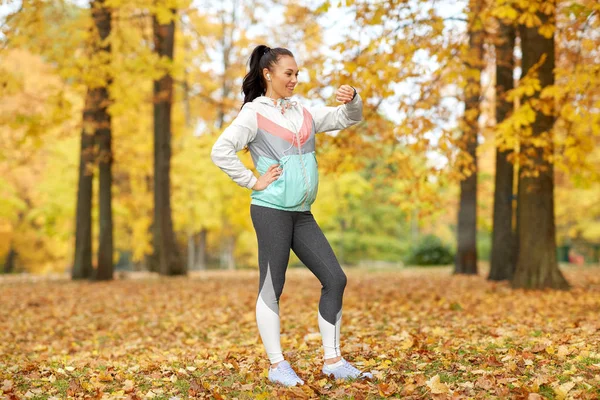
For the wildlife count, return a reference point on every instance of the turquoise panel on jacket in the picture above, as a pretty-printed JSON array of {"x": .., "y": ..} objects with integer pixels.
[{"x": 296, "y": 189}]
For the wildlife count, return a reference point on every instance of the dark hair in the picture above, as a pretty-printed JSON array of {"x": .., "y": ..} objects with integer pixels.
[{"x": 262, "y": 56}]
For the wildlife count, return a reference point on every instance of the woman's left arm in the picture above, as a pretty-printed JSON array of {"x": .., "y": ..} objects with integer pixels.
[{"x": 340, "y": 117}]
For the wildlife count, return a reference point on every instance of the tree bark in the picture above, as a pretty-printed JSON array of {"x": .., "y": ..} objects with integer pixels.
[
  {"x": 9, "y": 263},
  {"x": 537, "y": 266},
  {"x": 82, "y": 264},
  {"x": 502, "y": 262},
  {"x": 102, "y": 19},
  {"x": 466, "y": 254},
  {"x": 166, "y": 255}
]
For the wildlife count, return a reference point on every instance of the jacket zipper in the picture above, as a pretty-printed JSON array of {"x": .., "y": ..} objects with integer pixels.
[
  {"x": 304, "y": 173},
  {"x": 303, "y": 170}
]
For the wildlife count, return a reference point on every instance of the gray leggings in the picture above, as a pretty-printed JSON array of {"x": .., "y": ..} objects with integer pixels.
[{"x": 277, "y": 232}]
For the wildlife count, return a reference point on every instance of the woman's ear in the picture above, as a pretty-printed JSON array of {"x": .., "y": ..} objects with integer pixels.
[{"x": 266, "y": 74}]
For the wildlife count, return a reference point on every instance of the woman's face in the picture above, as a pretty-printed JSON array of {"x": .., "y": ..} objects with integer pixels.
[{"x": 284, "y": 77}]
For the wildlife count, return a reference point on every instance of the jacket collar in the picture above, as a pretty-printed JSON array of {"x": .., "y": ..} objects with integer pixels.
[{"x": 281, "y": 104}]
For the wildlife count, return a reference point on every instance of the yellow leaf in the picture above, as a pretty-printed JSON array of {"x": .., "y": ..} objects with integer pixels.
[
  {"x": 546, "y": 30},
  {"x": 407, "y": 343},
  {"x": 505, "y": 12},
  {"x": 436, "y": 386},
  {"x": 105, "y": 377},
  {"x": 562, "y": 390},
  {"x": 263, "y": 395},
  {"x": 563, "y": 351},
  {"x": 437, "y": 331}
]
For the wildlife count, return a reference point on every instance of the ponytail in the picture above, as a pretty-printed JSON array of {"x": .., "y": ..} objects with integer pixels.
[{"x": 262, "y": 56}]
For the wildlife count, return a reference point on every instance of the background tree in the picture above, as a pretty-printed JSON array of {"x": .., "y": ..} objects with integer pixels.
[
  {"x": 103, "y": 137},
  {"x": 37, "y": 161},
  {"x": 537, "y": 266},
  {"x": 466, "y": 253},
  {"x": 502, "y": 262},
  {"x": 166, "y": 258}
]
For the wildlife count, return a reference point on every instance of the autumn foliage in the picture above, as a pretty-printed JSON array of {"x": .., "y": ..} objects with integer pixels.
[
  {"x": 423, "y": 334},
  {"x": 413, "y": 72}
]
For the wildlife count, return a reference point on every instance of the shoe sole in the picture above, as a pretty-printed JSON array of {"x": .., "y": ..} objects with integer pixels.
[
  {"x": 283, "y": 384},
  {"x": 361, "y": 376}
]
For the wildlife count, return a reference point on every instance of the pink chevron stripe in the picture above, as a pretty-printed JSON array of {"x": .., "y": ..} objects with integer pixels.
[
  {"x": 275, "y": 129},
  {"x": 306, "y": 128}
]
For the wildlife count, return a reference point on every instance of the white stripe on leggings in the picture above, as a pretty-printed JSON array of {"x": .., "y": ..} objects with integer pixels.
[
  {"x": 268, "y": 326},
  {"x": 331, "y": 336}
]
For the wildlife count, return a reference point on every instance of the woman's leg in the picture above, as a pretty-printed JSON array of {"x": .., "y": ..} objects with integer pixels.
[
  {"x": 274, "y": 230},
  {"x": 312, "y": 248}
]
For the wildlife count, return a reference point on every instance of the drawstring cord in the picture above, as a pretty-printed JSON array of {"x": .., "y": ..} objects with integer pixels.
[{"x": 284, "y": 104}]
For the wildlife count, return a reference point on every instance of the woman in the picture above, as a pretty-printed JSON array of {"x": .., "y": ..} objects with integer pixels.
[{"x": 280, "y": 135}]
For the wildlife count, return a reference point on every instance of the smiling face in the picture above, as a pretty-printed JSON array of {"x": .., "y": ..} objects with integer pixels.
[{"x": 284, "y": 77}]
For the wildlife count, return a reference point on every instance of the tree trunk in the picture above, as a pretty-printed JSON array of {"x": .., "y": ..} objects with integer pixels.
[
  {"x": 102, "y": 19},
  {"x": 466, "y": 254},
  {"x": 191, "y": 252},
  {"x": 166, "y": 255},
  {"x": 502, "y": 263},
  {"x": 9, "y": 263},
  {"x": 200, "y": 258},
  {"x": 537, "y": 266},
  {"x": 82, "y": 263},
  {"x": 227, "y": 254}
]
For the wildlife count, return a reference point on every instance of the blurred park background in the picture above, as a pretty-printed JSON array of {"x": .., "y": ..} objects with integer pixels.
[
  {"x": 479, "y": 140},
  {"x": 478, "y": 153}
]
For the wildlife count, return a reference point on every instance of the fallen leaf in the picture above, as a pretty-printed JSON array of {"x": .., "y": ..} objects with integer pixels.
[
  {"x": 436, "y": 386},
  {"x": 386, "y": 390},
  {"x": 562, "y": 390}
]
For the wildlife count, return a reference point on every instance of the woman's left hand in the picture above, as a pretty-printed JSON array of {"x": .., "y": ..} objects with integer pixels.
[{"x": 344, "y": 94}]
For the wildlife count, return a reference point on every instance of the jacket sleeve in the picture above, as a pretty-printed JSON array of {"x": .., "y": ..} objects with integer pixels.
[
  {"x": 340, "y": 117},
  {"x": 233, "y": 139}
]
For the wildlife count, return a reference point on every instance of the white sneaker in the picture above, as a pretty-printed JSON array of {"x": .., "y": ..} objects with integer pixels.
[
  {"x": 345, "y": 371},
  {"x": 284, "y": 374}
]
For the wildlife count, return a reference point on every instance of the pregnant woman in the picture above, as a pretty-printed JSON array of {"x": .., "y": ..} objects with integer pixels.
[{"x": 280, "y": 135}]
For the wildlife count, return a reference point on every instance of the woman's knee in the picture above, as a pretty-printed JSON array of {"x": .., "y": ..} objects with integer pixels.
[
  {"x": 343, "y": 280},
  {"x": 338, "y": 282}
]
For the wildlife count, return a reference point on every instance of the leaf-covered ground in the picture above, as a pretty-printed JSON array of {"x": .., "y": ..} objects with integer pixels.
[{"x": 423, "y": 332}]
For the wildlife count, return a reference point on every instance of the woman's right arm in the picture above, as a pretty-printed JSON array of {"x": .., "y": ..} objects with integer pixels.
[{"x": 233, "y": 139}]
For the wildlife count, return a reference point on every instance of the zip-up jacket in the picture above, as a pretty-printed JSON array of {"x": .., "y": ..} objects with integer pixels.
[{"x": 281, "y": 134}]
